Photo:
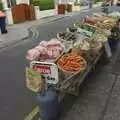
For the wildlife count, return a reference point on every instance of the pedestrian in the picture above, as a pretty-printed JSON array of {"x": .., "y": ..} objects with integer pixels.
[
  {"x": 115, "y": 31},
  {"x": 3, "y": 23},
  {"x": 114, "y": 38}
]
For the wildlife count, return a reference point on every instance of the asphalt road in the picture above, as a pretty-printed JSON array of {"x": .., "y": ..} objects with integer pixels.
[{"x": 16, "y": 100}]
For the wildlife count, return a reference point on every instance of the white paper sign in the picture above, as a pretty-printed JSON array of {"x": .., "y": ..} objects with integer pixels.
[{"x": 48, "y": 71}]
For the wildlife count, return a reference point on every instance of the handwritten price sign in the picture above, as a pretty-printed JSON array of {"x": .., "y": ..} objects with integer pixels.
[{"x": 48, "y": 71}]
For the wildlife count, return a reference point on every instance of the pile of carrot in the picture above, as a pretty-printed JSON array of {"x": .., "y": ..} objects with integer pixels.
[{"x": 72, "y": 62}]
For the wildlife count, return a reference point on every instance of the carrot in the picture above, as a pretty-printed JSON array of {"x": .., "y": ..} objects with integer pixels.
[{"x": 72, "y": 62}]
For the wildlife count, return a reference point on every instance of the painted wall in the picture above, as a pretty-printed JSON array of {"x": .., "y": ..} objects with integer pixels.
[
  {"x": 115, "y": 2},
  {"x": 5, "y": 4},
  {"x": 22, "y": 1},
  {"x": 47, "y": 13},
  {"x": 9, "y": 16}
]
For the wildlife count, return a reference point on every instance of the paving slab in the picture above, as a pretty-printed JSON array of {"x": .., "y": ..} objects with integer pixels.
[
  {"x": 88, "y": 107},
  {"x": 112, "y": 66},
  {"x": 92, "y": 100},
  {"x": 99, "y": 82},
  {"x": 113, "y": 108}
]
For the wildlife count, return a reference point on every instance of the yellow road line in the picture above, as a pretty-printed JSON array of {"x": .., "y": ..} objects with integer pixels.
[{"x": 32, "y": 114}]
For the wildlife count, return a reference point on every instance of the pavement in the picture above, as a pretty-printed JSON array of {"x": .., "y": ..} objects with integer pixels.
[{"x": 99, "y": 97}]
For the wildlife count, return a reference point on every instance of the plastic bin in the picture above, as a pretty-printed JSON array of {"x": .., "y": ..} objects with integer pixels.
[
  {"x": 3, "y": 25},
  {"x": 48, "y": 104},
  {"x": 61, "y": 9},
  {"x": 69, "y": 8}
]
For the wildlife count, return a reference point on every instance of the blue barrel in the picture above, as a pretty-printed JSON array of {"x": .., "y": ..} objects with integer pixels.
[
  {"x": 48, "y": 104},
  {"x": 3, "y": 25}
]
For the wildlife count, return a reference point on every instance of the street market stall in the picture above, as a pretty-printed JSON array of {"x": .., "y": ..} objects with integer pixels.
[{"x": 55, "y": 64}]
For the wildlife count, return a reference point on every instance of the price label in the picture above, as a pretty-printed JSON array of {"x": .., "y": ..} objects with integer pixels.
[{"x": 48, "y": 71}]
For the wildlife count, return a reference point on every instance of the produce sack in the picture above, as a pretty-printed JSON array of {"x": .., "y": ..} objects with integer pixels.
[{"x": 33, "y": 80}]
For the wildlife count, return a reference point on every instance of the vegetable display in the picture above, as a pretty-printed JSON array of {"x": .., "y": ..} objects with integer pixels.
[
  {"x": 115, "y": 15},
  {"x": 82, "y": 44},
  {"x": 46, "y": 51},
  {"x": 99, "y": 37},
  {"x": 85, "y": 26},
  {"x": 106, "y": 23},
  {"x": 99, "y": 14},
  {"x": 102, "y": 25},
  {"x": 74, "y": 52},
  {"x": 67, "y": 36},
  {"x": 91, "y": 20},
  {"x": 72, "y": 63},
  {"x": 72, "y": 29},
  {"x": 88, "y": 44}
]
